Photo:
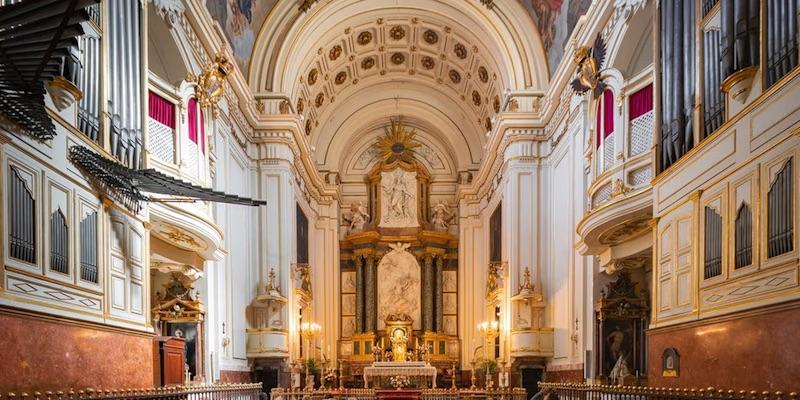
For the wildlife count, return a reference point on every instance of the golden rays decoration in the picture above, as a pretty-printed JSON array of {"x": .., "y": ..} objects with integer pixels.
[{"x": 398, "y": 144}]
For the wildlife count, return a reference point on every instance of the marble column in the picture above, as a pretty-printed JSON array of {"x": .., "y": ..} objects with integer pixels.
[
  {"x": 427, "y": 295},
  {"x": 439, "y": 298},
  {"x": 371, "y": 294},
  {"x": 359, "y": 294}
]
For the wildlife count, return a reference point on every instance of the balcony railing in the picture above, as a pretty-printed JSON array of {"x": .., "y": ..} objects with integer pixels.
[
  {"x": 577, "y": 391},
  {"x": 239, "y": 391}
]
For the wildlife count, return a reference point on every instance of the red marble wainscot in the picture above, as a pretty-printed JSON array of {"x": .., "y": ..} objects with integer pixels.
[
  {"x": 564, "y": 376},
  {"x": 42, "y": 353},
  {"x": 751, "y": 350},
  {"x": 235, "y": 377}
]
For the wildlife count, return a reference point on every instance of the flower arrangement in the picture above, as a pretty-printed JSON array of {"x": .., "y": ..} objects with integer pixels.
[{"x": 400, "y": 381}]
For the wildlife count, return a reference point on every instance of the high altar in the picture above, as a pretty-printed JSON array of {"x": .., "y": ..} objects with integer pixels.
[{"x": 399, "y": 270}]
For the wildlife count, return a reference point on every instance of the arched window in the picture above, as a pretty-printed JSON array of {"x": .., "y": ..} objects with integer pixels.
[
  {"x": 604, "y": 131},
  {"x": 195, "y": 146}
]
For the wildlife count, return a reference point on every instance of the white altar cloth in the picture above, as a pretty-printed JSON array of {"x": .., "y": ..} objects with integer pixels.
[{"x": 400, "y": 369}]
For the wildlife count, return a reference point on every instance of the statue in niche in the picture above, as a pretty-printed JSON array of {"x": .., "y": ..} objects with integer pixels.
[
  {"x": 399, "y": 345},
  {"x": 304, "y": 273},
  {"x": 358, "y": 217},
  {"x": 398, "y": 195},
  {"x": 441, "y": 216}
]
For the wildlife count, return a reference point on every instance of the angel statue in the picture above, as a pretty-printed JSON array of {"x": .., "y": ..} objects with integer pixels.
[
  {"x": 620, "y": 370},
  {"x": 441, "y": 216},
  {"x": 358, "y": 217},
  {"x": 589, "y": 61},
  {"x": 377, "y": 351}
]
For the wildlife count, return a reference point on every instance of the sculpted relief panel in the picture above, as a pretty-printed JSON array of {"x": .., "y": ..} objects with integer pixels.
[
  {"x": 399, "y": 286},
  {"x": 399, "y": 199}
]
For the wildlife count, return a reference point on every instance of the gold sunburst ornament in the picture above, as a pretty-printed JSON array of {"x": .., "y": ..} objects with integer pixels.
[{"x": 398, "y": 144}]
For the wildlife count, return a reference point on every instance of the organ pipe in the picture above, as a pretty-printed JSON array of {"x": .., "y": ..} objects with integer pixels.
[
  {"x": 22, "y": 235},
  {"x": 125, "y": 103},
  {"x": 780, "y": 213},
  {"x": 677, "y": 79},
  {"x": 781, "y": 38}
]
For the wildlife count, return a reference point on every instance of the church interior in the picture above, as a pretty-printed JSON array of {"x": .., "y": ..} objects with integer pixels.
[{"x": 399, "y": 199}]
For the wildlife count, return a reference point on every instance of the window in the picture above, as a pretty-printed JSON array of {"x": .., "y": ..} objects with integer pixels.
[
  {"x": 302, "y": 236},
  {"x": 161, "y": 128},
  {"x": 88, "y": 247},
  {"x": 712, "y": 244},
  {"x": 59, "y": 242},
  {"x": 780, "y": 214},
  {"x": 22, "y": 224},
  {"x": 604, "y": 129},
  {"x": 640, "y": 116},
  {"x": 744, "y": 237},
  {"x": 496, "y": 235}
]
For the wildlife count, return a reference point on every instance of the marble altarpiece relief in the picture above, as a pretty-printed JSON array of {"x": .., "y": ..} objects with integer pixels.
[{"x": 399, "y": 260}]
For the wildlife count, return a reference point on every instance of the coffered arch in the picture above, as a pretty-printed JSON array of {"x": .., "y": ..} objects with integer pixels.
[{"x": 419, "y": 105}]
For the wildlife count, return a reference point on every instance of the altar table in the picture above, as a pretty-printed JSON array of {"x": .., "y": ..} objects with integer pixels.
[{"x": 400, "y": 369}]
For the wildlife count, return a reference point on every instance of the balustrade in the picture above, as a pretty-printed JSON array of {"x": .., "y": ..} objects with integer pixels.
[{"x": 232, "y": 391}]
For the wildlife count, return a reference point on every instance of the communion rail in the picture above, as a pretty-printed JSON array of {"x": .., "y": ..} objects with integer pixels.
[
  {"x": 578, "y": 391},
  {"x": 425, "y": 394},
  {"x": 237, "y": 391}
]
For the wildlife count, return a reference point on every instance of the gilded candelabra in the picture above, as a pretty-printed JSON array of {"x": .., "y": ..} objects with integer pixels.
[
  {"x": 453, "y": 376},
  {"x": 473, "y": 378}
]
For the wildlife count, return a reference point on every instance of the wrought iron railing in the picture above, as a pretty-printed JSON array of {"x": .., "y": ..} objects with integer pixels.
[
  {"x": 577, "y": 391},
  {"x": 238, "y": 391},
  {"x": 426, "y": 394}
]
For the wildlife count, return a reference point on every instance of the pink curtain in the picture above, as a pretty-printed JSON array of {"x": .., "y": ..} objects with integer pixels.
[
  {"x": 641, "y": 102},
  {"x": 192, "y": 115},
  {"x": 161, "y": 110},
  {"x": 608, "y": 113}
]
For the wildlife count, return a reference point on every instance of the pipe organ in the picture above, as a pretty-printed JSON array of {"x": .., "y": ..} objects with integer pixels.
[
  {"x": 22, "y": 227},
  {"x": 89, "y": 83},
  {"x": 731, "y": 53},
  {"x": 125, "y": 81},
  {"x": 780, "y": 215},
  {"x": 677, "y": 79},
  {"x": 781, "y": 38},
  {"x": 712, "y": 243},
  {"x": 714, "y": 104}
]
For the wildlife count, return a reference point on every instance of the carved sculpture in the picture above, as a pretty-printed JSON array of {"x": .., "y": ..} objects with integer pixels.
[
  {"x": 589, "y": 61},
  {"x": 358, "y": 217},
  {"x": 441, "y": 216}
]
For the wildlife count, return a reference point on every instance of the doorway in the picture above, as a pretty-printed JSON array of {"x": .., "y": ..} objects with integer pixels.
[
  {"x": 531, "y": 376},
  {"x": 268, "y": 376}
]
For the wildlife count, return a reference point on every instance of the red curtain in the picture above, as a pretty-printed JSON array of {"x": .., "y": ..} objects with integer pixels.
[
  {"x": 161, "y": 110},
  {"x": 641, "y": 102},
  {"x": 192, "y": 115},
  {"x": 608, "y": 113}
]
